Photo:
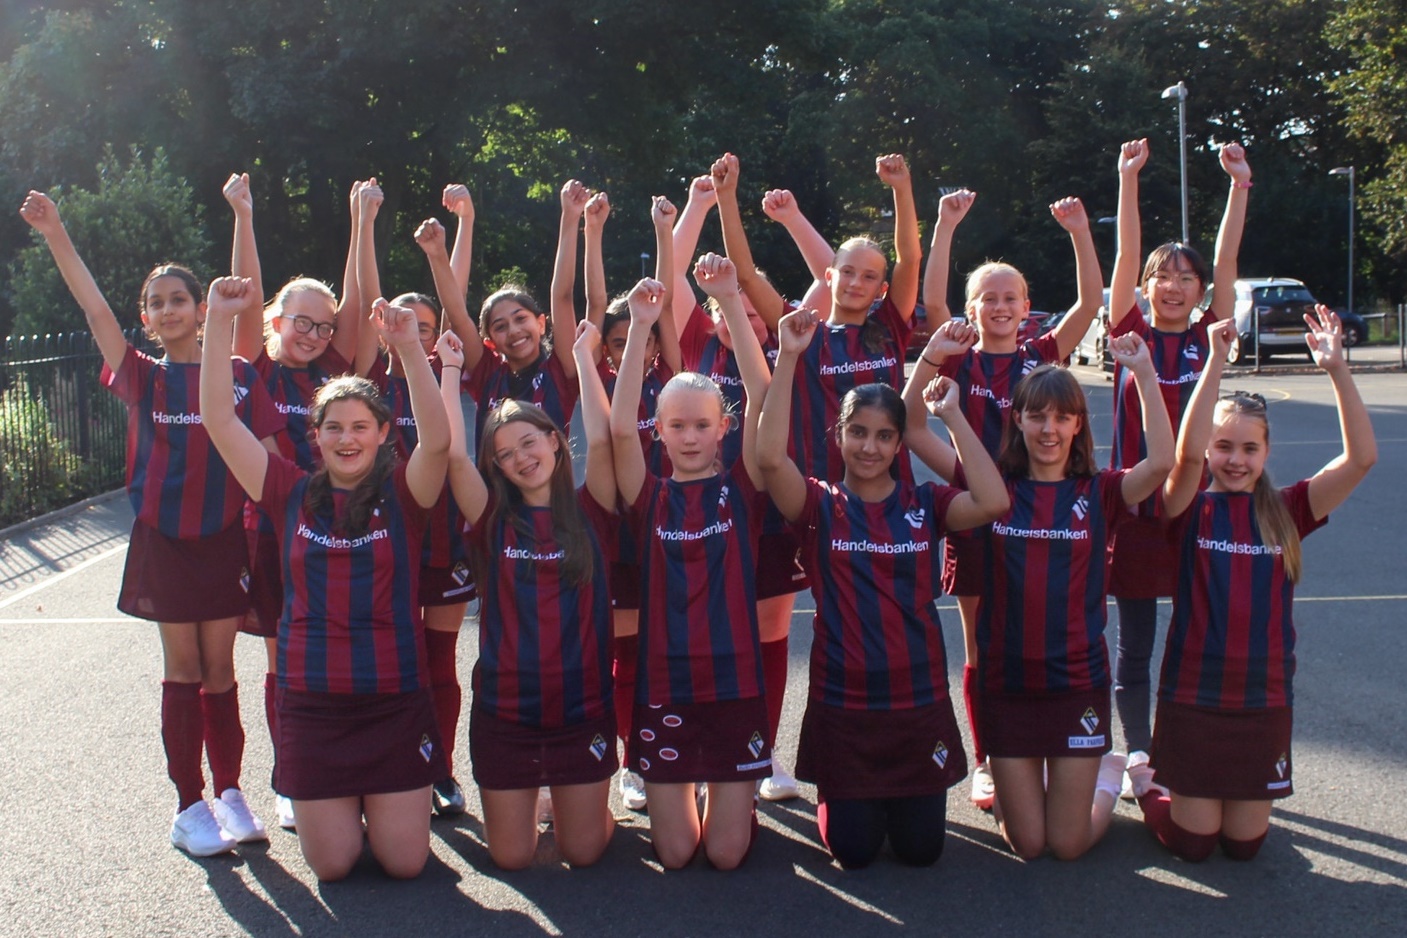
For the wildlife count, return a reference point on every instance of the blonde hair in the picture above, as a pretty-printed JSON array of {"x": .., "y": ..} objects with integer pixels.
[
  {"x": 976, "y": 278},
  {"x": 277, "y": 305},
  {"x": 1277, "y": 528}
]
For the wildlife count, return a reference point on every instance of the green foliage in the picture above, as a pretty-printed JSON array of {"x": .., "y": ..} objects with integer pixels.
[
  {"x": 140, "y": 206},
  {"x": 38, "y": 469}
]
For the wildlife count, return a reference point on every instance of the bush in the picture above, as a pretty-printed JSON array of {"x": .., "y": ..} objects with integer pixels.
[{"x": 38, "y": 469}]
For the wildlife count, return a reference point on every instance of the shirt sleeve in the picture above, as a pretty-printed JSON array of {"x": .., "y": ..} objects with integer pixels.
[
  {"x": 259, "y": 413},
  {"x": 131, "y": 376},
  {"x": 1297, "y": 501},
  {"x": 893, "y": 320},
  {"x": 697, "y": 331},
  {"x": 1131, "y": 323},
  {"x": 280, "y": 475}
]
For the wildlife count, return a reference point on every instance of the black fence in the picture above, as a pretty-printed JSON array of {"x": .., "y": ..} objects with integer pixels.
[{"x": 62, "y": 436}]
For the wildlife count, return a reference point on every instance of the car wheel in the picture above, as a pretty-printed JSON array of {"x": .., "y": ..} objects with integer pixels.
[
  {"x": 1352, "y": 335},
  {"x": 1238, "y": 353}
]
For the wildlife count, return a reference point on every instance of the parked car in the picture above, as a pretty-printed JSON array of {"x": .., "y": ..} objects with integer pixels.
[
  {"x": 921, "y": 334},
  {"x": 1355, "y": 328},
  {"x": 1269, "y": 314}
]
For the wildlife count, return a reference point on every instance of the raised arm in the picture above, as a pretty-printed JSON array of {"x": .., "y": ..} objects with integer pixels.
[
  {"x": 662, "y": 215},
  {"x": 953, "y": 338},
  {"x": 242, "y": 452},
  {"x": 908, "y": 249},
  {"x": 595, "y": 416},
  {"x": 717, "y": 277},
  {"x": 686, "y": 240},
  {"x": 456, "y": 198},
  {"x": 1195, "y": 433},
  {"x": 1144, "y": 478},
  {"x": 574, "y": 199},
  {"x": 1123, "y": 283},
  {"x": 1070, "y": 213},
  {"x": 1331, "y": 485},
  {"x": 244, "y": 262},
  {"x": 952, "y": 209},
  {"x": 598, "y": 209},
  {"x": 1228, "y": 236},
  {"x": 784, "y": 480},
  {"x": 425, "y": 470},
  {"x": 43, "y": 216},
  {"x": 349, "y": 309},
  {"x": 986, "y": 497},
  {"x": 368, "y": 275},
  {"x": 780, "y": 206},
  {"x": 765, "y": 298},
  {"x": 431, "y": 238},
  {"x": 646, "y": 304},
  {"x": 466, "y": 484}
]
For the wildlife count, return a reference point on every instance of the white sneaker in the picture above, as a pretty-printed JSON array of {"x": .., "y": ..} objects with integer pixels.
[
  {"x": 984, "y": 788},
  {"x": 196, "y": 831},
  {"x": 284, "y": 806},
  {"x": 779, "y": 786},
  {"x": 544, "y": 805},
  {"x": 234, "y": 816},
  {"x": 1139, "y": 777},
  {"x": 1111, "y": 773},
  {"x": 632, "y": 790}
]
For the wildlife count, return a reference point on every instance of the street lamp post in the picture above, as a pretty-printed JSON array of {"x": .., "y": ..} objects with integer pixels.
[
  {"x": 1351, "y": 174},
  {"x": 644, "y": 264},
  {"x": 1179, "y": 91}
]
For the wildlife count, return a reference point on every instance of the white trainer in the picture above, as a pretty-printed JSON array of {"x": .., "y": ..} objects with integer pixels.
[
  {"x": 1139, "y": 777},
  {"x": 284, "y": 806},
  {"x": 779, "y": 786},
  {"x": 984, "y": 787},
  {"x": 632, "y": 791},
  {"x": 234, "y": 816},
  {"x": 196, "y": 831}
]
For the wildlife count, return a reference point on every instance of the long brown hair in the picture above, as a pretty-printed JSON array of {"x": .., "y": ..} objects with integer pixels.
[
  {"x": 1277, "y": 528},
  {"x": 568, "y": 520},
  {"x": 1047, "y": 388},
  {"x": 363, "y": 500}
]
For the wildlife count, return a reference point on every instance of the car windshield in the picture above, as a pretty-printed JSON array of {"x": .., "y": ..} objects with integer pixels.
[{"x": 1285, "y": 294}]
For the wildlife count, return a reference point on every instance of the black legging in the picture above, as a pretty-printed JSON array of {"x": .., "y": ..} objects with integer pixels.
[{"x": 854, "y": 828}]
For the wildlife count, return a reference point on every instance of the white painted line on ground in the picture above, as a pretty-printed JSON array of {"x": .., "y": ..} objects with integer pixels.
[
  {"x": 121, "y": 620},
  {"x": 61, "y": 576}
]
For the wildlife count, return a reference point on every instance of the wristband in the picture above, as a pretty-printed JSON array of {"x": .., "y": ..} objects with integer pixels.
[
  {"x": 460, "y": 367},
  {"x": 1241, "y": 185},
  {"x": 926, "y": 361}
]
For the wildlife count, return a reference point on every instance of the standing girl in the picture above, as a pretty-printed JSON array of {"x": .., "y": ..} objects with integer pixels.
[
  {"x": 187, "y": 560},
  {"x": 1175, "y": 278},
  {"x": 700, "y": 715},
  {"x": 1221, "y": 743},
  {"x": 1043, "y": 671},
  {"x": 542, "y": 712},
  {"x": 356, "y": 725},
  {"x": 879, "y": 737},
  {"x": 997, "y": 303}
]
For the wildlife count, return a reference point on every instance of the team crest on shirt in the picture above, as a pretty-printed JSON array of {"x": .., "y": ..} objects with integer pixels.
[
  {"x": 1192, "y": 353},
  {"x": 940, "y": 755},
  {"x": 427, "y": 748},
  {"x": 598, "y": 747},
  {"x": 1081, "y": 507},
  {"x": 756, "y": 744},
  {"x": 1090, "y": 720},
  {"x": 240, "y": 393},
  {"x": 460, "y": 573},
  {"x": 244, "y": 578},
  {"x": 723, "y": 495},
  {"x": 1028, "y": 366},
  {"x": 537, "y": 380},
  {"x": 914, "y": 516}
]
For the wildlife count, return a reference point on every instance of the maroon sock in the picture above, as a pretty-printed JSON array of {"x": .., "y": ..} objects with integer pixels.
[
  {"x": 627, "y": 650},
  {"x": 224, "y": 737},
  {"x": 270, "y": 713},
  {"x": 441, "y": 648},
  {"x": 774, "y": 682},
  {"x": 1157, "y": 816},
  {"x": 1242, "y": 849},
  {"x": 183, "y": 735},
  {"x": 969, "y": 697}
]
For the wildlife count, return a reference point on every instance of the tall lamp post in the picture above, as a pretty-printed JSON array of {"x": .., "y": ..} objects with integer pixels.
[
  {"x": 1349, "y": 172},
  {"x": 1179, "y": 91}
]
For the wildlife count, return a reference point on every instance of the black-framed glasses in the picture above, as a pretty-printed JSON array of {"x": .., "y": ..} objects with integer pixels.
[{"x": 304, "y": 325}]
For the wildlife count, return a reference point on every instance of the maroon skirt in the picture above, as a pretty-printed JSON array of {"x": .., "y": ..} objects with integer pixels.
[
  {"x": 1048, "y": 726},
  {"x": 625, "y": 585},
  {"x": 347, "y": 745},
  {"x": 169, "y": 579},
  {"x": 963, "y": 563},
  {"x": 880, "y": 753},
  {"x": 1231, "y": 755},
  {"x": 265, "y": 585},
  {"x": 509, "y": 756},
  {"x": 445, "y": 586},
  {"x": 779, "y": 572},
  {"x": 722, "y": 741}
]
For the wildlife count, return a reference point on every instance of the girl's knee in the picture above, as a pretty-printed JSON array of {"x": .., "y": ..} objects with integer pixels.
[
  {"x": 1069, "y": 848},
  {"x": 329, "y": 866},
  {"x": 674, "y": 853},
  {"x": 517, "y": 856},
  {"x": 583, "y": 851},
  {"x": 406, "y": 865}
]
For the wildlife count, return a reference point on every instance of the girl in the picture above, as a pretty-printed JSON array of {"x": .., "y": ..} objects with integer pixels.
[
  {"x": 879, "y": 737},
  {"x": 1221, "y": 743},
  {"x": 699, "y": 713},
  {"x": 869, "y": 321},
  {"x": 997, "y": 304},
  {"x": 508, "y": 356},
  {"x": 661, "y": 362},
  {"x": 446, "y": 584},
  {"x": 1043, "y": 675},
  {"x": 187, "y": 555},
  {"x": 542, "y": 711},
  {"x": 357, "y": 735},
  {"x": 1174, "y": 284},
  {"x": 300, "y": 340}
]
